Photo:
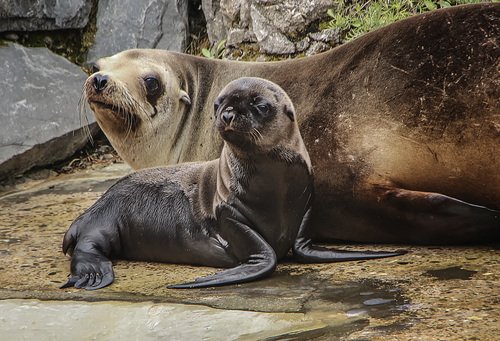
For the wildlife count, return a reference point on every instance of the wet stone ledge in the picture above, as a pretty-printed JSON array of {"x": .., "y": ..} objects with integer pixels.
[{"x": 432, "y": 292}]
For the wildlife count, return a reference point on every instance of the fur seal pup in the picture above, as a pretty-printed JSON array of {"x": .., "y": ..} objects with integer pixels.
[
  {"x": 402, "y": 124},
  {"x": 243, "y": 211}
]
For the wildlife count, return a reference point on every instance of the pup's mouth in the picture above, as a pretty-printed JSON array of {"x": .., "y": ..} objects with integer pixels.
[{"x": 240, "y": 137}]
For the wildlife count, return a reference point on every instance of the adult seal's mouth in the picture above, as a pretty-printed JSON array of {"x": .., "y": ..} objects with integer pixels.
[{"x": 115, "y": 109}]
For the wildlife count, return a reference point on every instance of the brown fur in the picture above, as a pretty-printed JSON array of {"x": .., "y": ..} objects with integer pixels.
[{"x": 413, "y": 106}]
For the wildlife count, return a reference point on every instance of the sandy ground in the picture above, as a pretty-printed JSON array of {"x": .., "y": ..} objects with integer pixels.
[{"x": 432, "y": 293}]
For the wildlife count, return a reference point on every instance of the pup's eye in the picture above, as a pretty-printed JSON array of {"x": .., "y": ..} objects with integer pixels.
[
  {"x": 262, "y": 107},
  {"x": 152, "y": 85},
  {"x": 216, "y": 107}
]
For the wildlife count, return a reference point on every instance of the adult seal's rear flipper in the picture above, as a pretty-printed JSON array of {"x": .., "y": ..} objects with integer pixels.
[
  {"x": 444, "y": 214},
  {"x": 304, "y": 251},
  {"x": 257, "y": 257}
]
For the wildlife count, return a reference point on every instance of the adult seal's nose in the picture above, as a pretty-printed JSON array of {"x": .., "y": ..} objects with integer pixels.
[
  {"x": 100, "y": 82},
  {"x": 227, "y": 117}
]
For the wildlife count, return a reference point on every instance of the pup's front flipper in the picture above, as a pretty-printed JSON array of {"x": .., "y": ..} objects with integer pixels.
[
  {"x": 89, "y": 271},
  {"x": 257, "y": 258},
  {"x": 304, "y": 251}
]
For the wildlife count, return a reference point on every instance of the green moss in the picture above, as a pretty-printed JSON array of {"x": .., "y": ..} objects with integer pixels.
[
  {"x": 248, "y": 52},
  {"x": 356, "y": 17}
]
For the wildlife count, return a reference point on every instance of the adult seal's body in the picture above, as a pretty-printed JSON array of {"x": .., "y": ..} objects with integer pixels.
[
  {"x": 402, "y": 124},
  {"x": 245, "y": 210}
]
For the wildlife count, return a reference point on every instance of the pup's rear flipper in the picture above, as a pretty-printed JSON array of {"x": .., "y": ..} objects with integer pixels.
[
  {"x": 256, "y": 267},
  {"x": 257, "y": 257}
]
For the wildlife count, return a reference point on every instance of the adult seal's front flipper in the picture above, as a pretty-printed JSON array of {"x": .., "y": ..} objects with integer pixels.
[
  {"x": 304, "y": 251},
  {"x": 256, "y": 256}
]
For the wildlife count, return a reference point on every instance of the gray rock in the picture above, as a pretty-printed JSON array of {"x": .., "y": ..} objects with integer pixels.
[
  {"x": 317, "y": 47},
  {"x": 126, "y": 24},
  {"x": 36, "y": 15},
  {"x": 292, "y": 16},
  {"x": 330, "y": 35},
  {"x": 38, "y": 109},
  {"x": 303, "y": 44},
  {"x": 238, "y": 35},
  {"x": 276, "y": 43},
  {"x": 269, "y": 38},
  {"x": 223, "y": 16},
  {"x": 271, "y": 22}
]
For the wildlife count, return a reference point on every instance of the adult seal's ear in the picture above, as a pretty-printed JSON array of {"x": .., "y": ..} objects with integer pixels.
[
  {"x": 290, "y": 112},
  {"x": 184, "y": 97}
]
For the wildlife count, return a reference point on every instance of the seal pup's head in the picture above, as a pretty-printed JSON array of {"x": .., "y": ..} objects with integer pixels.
[
  {"x": 131, "y": 94},
  {"x": 254, "y": 114}
]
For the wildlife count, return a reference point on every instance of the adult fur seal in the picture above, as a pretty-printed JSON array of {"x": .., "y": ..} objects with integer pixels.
[
  {"x": 402, "y": 124},
  {"x": 245, "y": 210}
]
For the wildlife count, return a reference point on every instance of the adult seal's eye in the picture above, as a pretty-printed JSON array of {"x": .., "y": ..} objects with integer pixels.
[
  {"x": 262, "y": 108},
  {"x": 152, "y": 85}
]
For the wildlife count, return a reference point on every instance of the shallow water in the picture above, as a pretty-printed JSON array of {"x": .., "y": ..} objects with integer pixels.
[{"x": 52, "y": 320}]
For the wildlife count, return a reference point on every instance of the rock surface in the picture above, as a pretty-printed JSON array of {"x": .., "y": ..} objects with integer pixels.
[
  {"x": 126, "y": 24},
  {"x": 445, "y": 293},
  {"x": 41, "y": 15},
  {"x": 273, "y": 24},
  {"x": 38, "y": 108}
]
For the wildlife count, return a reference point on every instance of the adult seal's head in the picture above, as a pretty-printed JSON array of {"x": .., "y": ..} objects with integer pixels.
[{"x": 130, "y": 94}]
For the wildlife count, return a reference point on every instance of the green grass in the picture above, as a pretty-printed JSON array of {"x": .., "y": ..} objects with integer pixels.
[
  {"x": 356, "y": 17},
  {"x": 216, "y": 52}
]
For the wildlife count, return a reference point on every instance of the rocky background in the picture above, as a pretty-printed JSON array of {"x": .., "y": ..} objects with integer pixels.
[{"x": 45, "y": 46}]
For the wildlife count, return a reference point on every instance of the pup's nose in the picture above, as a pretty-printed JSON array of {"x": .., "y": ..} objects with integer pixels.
[
  {"x": 100, "y": 82},
  {"x": 227, "y": 117}
]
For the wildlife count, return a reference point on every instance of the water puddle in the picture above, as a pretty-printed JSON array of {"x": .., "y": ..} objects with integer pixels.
[
  {"x": 310, "y": 292},
  {"x": 454, "y": 272}
]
